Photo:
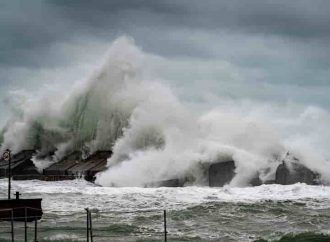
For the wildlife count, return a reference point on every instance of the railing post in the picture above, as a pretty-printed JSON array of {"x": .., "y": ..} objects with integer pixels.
[
  {"x": 25, "y": 224},
  {"x": 12, "y": 226},
  {"x": 91, "y": 226},
  {"x": 7, "y": 157},
  {"x": 9, "y": 178},
  {"x": 87, "y": 223},
  {"x": 35, "y": 229},
  {"x": 165, "y": 227}
]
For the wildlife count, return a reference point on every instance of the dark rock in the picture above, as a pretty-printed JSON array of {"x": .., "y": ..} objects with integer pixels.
[
  {"x": 221, "y": 173},
  {"x": 167, "y": 183},
  {"x": 255, "y": 181},
  {"x": 294, "y": 172},
  {"x": 172, "y": 183},
  {"x": 270, "y": 182}
]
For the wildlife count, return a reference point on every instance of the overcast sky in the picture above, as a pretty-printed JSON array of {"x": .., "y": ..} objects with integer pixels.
[{"x": 259, "y": 50}]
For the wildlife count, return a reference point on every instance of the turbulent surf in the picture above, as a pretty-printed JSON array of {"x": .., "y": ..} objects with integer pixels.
[{"x": 155, "y": 136}]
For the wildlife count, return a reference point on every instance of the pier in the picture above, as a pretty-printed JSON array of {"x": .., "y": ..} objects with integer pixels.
[
  {"x": 18, "y": 209},
  {"x": 93, "y": 225},
  {"x": 73, "y": 165}
]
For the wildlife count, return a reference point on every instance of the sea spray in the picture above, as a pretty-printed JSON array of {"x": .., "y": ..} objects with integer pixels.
[
  {"x": 91, "y": 115},
  {"x": 152, "y": 134}
]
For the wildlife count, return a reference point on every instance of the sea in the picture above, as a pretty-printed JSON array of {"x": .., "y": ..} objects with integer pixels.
[{"x": 193, "y": 213}]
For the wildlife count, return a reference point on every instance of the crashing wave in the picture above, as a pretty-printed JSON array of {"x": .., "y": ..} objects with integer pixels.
[{"x": 152, "y": 134}]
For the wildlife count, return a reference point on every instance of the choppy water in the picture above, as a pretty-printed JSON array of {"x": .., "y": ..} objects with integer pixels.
[{"x": 194, "y": 213}]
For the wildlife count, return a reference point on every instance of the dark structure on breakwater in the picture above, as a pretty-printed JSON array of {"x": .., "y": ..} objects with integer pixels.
[
  {"x": 218, "y": 174},
  {"x": 21, "y": 165},
  {"x": 287, "y": 173},
  {"x": 60, "y": 169},
  {"x": 221, "y": 173},
  {"x": 70, "y": 167},
  {"x": 292, "y": 173},
  {"x": 89, "y": 167}
]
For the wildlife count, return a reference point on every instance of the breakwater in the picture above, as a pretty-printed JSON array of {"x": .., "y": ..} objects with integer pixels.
[{"x": 217, "y": 174}]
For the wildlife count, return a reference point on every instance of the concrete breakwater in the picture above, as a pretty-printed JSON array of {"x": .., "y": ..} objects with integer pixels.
[
  {"x": 70, "y": 167},
  {"x": 217, "y": 174}
]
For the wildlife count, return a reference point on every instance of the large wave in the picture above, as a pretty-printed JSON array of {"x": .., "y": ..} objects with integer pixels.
[{"x": 152, "y": 134}]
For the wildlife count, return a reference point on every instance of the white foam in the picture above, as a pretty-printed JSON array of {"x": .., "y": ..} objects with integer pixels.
[
  {"x": 75, "y": 195},
  {"x": 154, "y": 136}
]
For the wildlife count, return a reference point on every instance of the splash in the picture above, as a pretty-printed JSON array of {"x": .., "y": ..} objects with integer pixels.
[
  {"x": 152, "y": 134},
  {"x": 91, "y": 116}
]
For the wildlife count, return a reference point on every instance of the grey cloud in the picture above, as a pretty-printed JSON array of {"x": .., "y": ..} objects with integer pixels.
[
  {"x": 267, "y": 41},
  {"x": 28, "y": 27},
  {"x": 292, "y": 18}
]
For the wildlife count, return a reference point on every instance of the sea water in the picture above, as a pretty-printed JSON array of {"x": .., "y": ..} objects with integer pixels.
[{"x": 193, "y": 213}]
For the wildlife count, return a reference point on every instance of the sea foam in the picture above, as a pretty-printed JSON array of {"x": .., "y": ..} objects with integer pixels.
[{"x": 154, "y": 136}]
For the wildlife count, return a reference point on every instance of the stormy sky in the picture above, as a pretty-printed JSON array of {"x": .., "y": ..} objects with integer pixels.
[{"x": 206, "y": 50}]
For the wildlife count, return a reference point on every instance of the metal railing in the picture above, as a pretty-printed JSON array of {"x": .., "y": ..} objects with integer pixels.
[
  {"x": 13, "y": 218},
  {"x": 15, "y": 232}
]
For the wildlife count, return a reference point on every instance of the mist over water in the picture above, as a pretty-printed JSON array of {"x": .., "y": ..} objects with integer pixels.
[{"x": 155, "y": 136}]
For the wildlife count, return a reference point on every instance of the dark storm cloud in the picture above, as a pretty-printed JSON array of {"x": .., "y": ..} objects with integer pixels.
[
  {"x": 273, "y": 51},
  {"x": 301, "y": 18},
  {"x": 28, "y": 28},
  {"x": 290, "y": 18},
  {"x": 275, "y": 41}
]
